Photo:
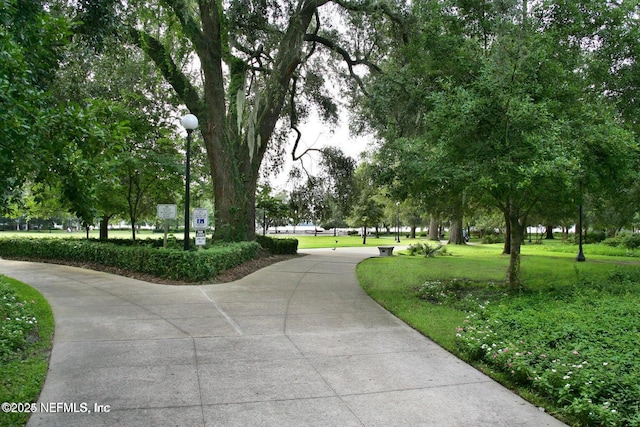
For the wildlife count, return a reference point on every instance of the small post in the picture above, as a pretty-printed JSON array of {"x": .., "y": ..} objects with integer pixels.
[
  {"x": 580, "y": 257},
  {"x": 166, "y": 231}
]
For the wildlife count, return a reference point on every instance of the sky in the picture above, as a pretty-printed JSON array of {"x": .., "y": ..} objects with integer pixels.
[{"x": 318, "y": 135}]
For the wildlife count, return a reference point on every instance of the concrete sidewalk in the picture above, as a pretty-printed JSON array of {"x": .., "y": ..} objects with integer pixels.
[{"x": 295, "y": 344}]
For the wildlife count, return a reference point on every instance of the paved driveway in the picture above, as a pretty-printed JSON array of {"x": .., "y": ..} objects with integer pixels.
[{"x": 295, "y": 344}]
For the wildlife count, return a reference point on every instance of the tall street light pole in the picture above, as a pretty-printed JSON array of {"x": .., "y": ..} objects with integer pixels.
[
  {"x": 580, "y": 257},
  {"x": 398, "y": 221},
  {"x": 189, "y": 122}
]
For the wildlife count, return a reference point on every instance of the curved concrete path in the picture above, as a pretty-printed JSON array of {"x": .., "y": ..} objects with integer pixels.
[{"x": 295, "y": 344}]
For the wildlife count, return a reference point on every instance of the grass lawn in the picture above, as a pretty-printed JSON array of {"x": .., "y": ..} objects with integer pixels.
[
  {"x": 23, "y": 362},
  {"x": 325, "y": 241},
  {"x": 567, "y": 341}
]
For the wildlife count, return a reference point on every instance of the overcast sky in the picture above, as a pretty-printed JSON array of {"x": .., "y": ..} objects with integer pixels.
[{"x": 317, "y": 135}]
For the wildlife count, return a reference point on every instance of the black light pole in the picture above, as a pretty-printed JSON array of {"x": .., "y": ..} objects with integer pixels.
[
  {"x": 190, "y": 122},
  {"x": 580, "y": 257},
  {"x": 398, "y": 221}
]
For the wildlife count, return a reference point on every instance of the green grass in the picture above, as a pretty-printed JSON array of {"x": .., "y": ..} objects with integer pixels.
[
  {"x": 392, "y": 281},
  {"x": 565, "y": 312},
  {"x": 323, "y": 241},
  {"x": 23, "y": 372}
]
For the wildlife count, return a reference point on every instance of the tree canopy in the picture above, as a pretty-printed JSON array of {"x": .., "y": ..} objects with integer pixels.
[
  {"x": 505, "y": 110},
  {"x": 30, "y": 47},
  {"x": 260, "y": 67}
]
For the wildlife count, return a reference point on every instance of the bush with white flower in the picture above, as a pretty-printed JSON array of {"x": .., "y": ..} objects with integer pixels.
[
  {"x": 17, "y": 323},
  {"x": 579, "y": 348}
]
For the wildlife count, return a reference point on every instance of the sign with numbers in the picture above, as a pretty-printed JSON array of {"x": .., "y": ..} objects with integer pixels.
[
  {"x": 167, "y": 211},
  {"x": 200, "y": 218}
]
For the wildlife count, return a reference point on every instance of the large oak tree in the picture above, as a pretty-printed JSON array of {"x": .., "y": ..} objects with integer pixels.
[{"x": 242, "y": 67}]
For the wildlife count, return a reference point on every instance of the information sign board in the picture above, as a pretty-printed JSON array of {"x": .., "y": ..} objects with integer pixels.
[
  {"x": 201, "y": 238},
  {"x": 167, "y": 211}
]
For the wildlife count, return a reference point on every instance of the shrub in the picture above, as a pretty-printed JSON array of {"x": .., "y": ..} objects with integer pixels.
[
  {"x": 625, "y": 240},
  {"x": 595, "y": 236},
  {"x": 174, "y": 264},
  {"x": 614, "y": 242},
  {"x": 631, "y": 241},
  {"x": 17, "y": 323},
  {"x": 278, "y": 246},
  {"x": 426, "y": 250},
  {"x": 492, "y": 238},
  {"x": 129, "y": 242}
]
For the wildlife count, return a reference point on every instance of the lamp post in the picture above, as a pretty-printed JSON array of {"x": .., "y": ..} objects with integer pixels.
[
  {"x": 580, "y": 257},
  {"x": 189, "y": 122},
  {"x": 398, "y": 221}
]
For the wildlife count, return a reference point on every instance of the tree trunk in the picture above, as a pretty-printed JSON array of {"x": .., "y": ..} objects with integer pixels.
[
  {"x": 506, "y": 250},
  {"x": 413, "y": 231},
  {"x": 433, "y": 228},
  {"x": 104, "y": 227},
  {"x": 133, "y": 229},
  {"x": 264, "y": 222},
  {"x": 513, "y": 274},
  {"x": 235, "y": 211},
  {"x": 455, "y": 225},
  {"x": 455, "y": 232},
  {"x": 549, "y": 232},
  {"x": 364, "y": 236}
]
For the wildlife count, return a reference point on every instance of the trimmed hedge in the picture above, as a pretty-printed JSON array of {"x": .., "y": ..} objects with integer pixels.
[
  {"x": 286, "y": 246},
  {"x": 174, "y": 264}
]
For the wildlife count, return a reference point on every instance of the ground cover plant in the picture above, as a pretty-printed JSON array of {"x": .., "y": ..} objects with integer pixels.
[
  {"x": 26, "y": 328},
  {"x": 568, "y": 340}
]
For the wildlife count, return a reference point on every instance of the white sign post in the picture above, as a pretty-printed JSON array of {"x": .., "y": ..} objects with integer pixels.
[
  {"x": 200, "y": 223},
  {"x": 167, "y": 212},
  {"x": 201, "y": 238}
]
